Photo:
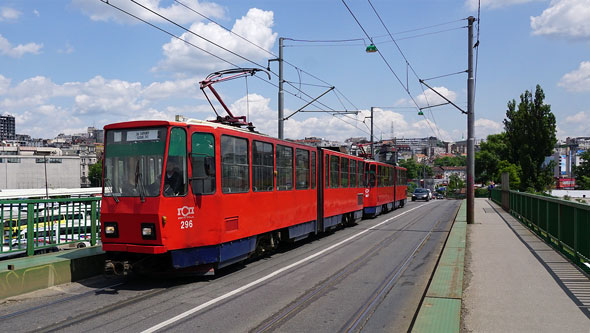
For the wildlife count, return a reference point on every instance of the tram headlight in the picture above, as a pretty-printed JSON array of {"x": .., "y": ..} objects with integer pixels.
[
  {"x": 148, "y": 231},
  {"x": 111, "y": 229}
]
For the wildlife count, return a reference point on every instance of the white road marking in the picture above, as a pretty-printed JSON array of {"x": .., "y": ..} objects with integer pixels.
[{"x": 269, "y": 276}]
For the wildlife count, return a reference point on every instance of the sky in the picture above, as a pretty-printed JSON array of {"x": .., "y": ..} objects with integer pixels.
[{"x": 66, "y": 65}]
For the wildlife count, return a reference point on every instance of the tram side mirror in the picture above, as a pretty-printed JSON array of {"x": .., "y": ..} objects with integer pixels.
[{"x": 210, "y": 166}]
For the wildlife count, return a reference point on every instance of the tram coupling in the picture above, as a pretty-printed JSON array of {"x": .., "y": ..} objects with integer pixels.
[{"x": 114, "y": 267}]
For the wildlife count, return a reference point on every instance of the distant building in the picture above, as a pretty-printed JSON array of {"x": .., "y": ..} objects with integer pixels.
[
  {"x": 7, "y": 129},
  {"x": 28, "y": 171}
]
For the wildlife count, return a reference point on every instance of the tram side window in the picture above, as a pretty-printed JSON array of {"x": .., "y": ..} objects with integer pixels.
[
  {"x": 352, "y": 173},
  {"x": 284, "y": 168},
  {"x": 360, "y": 171},
  {"x": 175, "y": 178},
  {"x": 234, "y": 165},
  {"x": 301, "y": 169},
  {"x": 262, "y": 166},
  {"x": 391, "y": 175},
  {"x": 327, "y": 171},
  {"x": 366, "y": 168},
  {"x": 334, "y": 171},
  {"x": 313, "y": 169},
  {"x": 373, "y": 175},
  {"x": 203, "y": 163},
  {"x": 343, "y": 172}
]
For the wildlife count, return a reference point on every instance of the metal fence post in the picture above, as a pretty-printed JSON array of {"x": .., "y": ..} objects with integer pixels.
[
  {"x": 93, "y": 223},
  {"x": 30, "y": 229}
]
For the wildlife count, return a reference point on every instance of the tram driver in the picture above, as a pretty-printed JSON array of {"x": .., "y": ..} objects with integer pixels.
[{"x": 173, "y": 180}]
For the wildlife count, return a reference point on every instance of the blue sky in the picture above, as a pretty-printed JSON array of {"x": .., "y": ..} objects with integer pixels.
[{"x": 66, "y": 65}]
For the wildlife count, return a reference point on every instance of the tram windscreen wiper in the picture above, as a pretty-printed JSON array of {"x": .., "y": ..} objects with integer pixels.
[
  {"x": 107, "y": 181},
  {"x": 139, "y": 184}
]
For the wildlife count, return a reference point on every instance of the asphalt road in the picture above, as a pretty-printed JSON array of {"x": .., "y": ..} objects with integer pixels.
[{"x": 369, "y": 277}]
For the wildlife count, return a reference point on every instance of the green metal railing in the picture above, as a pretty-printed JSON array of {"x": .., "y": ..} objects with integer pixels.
[
  {"x": 34, "y": 226},
  {"x": 563, "y": 224}
]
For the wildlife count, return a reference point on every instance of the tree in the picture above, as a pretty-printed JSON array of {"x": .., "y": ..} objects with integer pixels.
[
  {"x": 492, "y": 151},
  {"x": 530, "y": 133},
  {"x": 582, "y": 172},
  {"x": 95, "y": 174},
  {"x": 451, "y": 161},
  {"x": 455, "y": 183},
  {"x": 513, "y": 173},
  {"x": 415, "y": 170}
]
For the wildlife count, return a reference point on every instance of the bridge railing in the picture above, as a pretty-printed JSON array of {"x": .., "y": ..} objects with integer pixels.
[
  {"x": 31, "y": 226},
  {"x": 562, "y": 223}
]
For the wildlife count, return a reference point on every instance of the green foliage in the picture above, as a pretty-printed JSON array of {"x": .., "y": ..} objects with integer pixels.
[
  {"x": 451, "y": 161},
  {"x": 514, "y": 172},
  {"x": 455, "y": 183},
  {"x": 95, "y": 174},
  {"x": 492, "y": 151},
  {"x": 481, "y": 193},
  {"x": 415, "y": 170},
  {"x": 582, "y": 172},
  {"x": 411, "y": 187},
  {"x": 583, "y": 182},
  {"x": 530, "y": 133}
]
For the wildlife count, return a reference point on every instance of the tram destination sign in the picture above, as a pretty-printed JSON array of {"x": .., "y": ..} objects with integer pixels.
[{"x": 143, "y": 135}]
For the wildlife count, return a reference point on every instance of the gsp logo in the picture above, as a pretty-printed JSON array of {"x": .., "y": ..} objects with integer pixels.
[{"x": 186, "y": 211}]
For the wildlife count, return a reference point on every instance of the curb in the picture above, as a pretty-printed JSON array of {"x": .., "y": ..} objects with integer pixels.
[
  {"x": 23, "y": 275},
  {"x": 440, "y": 310}
]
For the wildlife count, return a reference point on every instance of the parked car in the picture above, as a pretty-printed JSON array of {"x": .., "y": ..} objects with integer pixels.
[
  {"x": 421, "y": 194},
  {"x": 439, "y": 195}
]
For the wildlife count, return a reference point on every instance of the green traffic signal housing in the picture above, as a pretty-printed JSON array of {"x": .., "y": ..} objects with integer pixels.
[{"x": 371, "y": 48}]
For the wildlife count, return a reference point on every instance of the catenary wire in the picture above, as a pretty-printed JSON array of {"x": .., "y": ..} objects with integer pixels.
[
  {"x": 197, "y": 47},
  {"x": 254, "y": 44}
]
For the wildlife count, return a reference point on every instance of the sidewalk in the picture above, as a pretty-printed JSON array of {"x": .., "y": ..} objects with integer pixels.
[{"x": 514, "y": 282}]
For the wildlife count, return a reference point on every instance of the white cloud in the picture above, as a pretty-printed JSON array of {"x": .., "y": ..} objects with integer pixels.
[
  {"x": 18, "y": 51},
  {"x": 38, "y": 103},
  {"x": 100, "y": 11},
  {"x": 493, "y": 4},
  {"x": 577, "y": 80},
  {"x": 256, "y": 27},
  {"x": 580, "y": 117},
  {"x": 575, "y": 125},
  {"x": 36, "y": 12},
  {"x": 485, "y": 127},
  {"x": 432, "y": 98},
  {"x": 564, "y": 18},
  {"x": 330, "y": 127},
  {"x": 68, "y": 49},
  {"x": 7, "y": 14}
]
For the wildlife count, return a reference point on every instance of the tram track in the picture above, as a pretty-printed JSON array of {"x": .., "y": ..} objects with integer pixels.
[{"x": 325, "y": 286}]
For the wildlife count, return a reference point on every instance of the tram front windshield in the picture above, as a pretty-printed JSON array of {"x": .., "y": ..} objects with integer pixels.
[{"x": 134, "y": 161}]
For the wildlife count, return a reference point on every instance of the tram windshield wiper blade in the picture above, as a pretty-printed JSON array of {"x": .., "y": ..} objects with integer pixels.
[
  {"x": 138, "y": 183},
  {"x": 107, "y": 181}
]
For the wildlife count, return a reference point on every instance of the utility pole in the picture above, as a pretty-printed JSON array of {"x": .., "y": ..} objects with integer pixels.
[
  {"x": 281, "y": 93},
  {"x": 470, "y": 125},
  {"x": 45, "y": 165},
  {"x": 372, "y": 156}
]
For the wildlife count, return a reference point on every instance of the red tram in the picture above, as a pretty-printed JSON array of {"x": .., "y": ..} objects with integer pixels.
[{"x": 207, "y": 194}]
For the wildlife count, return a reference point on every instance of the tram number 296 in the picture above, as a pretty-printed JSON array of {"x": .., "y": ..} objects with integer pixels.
[{"x": 186, "y": 224}]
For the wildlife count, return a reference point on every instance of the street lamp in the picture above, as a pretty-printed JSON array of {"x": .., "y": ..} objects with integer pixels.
[{"x": 371, "y": 48}]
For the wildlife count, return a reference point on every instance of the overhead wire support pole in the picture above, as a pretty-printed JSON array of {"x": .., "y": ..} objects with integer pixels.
[
  {"x": 372, "y": 156},
  {"x": 306, "y": 105},
  {"x": 281, "y": 93},
  {"x": 470, "y": 125},
  {"x": 443, "y": 97}
]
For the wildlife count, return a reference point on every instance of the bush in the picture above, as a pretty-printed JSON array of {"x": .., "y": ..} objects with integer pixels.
[{"x": 481, "y": 193}]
